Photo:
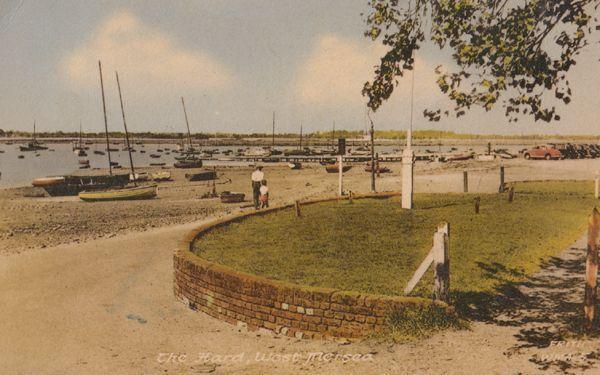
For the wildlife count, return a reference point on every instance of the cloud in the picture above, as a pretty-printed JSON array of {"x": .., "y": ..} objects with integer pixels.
[
  {"x": 336, "y": 69},
  {"x": 146, "y": 59},
  {"x": 333, "y": 72}
]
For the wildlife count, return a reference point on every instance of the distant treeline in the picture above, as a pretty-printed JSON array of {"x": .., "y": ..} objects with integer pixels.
[{"x": 379, "y": 134}]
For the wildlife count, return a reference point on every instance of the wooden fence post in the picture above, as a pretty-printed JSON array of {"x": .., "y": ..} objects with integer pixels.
[
  {"x": 340, "y": 176},
  {"x": 465, "y": 182},
  {"x": 501, "y": 188},
  {"x": 297, "y": 205},
  {"x": 350, "y": 197},
  {"x": 591, "y": 268},
  {"x": 441, "y": 263},
  {"x": 477, "y": 203},
  {"x": 511, "y": 194}
]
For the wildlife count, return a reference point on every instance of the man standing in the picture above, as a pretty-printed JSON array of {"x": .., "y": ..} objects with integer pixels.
[{"x": 257, "y": 177}]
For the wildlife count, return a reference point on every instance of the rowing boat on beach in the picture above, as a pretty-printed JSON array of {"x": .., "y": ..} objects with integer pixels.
[
  {"x": 138, "y": 192},
  {"x": 201, "y": 176},
  {"x": 188, "y": 163},
  {"x": 232, "y": 197},
  {"x": 48, "y": 181},
  {"x": 334, "y": 168},
  {"x": 161, "y": 176}
]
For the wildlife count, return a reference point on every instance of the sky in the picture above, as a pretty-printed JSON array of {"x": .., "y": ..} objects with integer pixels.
[{"x": 235, "y": 62}]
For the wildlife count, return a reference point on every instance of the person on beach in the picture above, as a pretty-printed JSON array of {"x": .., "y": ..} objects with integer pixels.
[
  {"x": 264, "y": 194},
  {"x": 257, "y": 177}
]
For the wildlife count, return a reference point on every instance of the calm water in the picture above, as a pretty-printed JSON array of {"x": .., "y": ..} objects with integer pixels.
[{"x": 20, "y": 172}]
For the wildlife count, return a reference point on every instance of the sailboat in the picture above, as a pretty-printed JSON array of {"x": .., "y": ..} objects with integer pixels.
[
  {"x": 33, "y": 145},
  {"x": 273, "y": 150},
  {"x": 299, "y": 151},
  {"x": 188, "y": 158},
  {"x": 128, "y": 193},
  {"x": 79, "y": 150}
]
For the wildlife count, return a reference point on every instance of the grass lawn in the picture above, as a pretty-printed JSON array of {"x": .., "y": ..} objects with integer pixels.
[{"x": 374, "y": 246}]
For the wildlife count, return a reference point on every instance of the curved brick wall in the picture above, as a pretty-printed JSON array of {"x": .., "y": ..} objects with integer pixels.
[{"x": 281, "y": 307}]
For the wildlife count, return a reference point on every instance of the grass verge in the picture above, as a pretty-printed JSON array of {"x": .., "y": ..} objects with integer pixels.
[{"x": 374, "y": 246}]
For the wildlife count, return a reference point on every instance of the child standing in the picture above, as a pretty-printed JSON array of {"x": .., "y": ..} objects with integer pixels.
[{"x": 264, "y": 194}]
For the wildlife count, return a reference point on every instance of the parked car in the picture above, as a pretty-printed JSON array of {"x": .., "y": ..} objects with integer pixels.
[{"x": 542, "y": 152}]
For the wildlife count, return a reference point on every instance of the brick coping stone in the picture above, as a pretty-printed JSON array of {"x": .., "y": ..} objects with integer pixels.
[{"x": 277, "y": 307}]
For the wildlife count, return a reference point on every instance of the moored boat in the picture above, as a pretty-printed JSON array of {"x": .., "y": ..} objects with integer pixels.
[
  {"x": 459, "y": 157},
  {"x": 137, "y": 192},
  {"x": 334, "y": 168},
  {"x": 188, "y": 163},
  {"x": 201, "y": 176},
  {"x": 257, "y": 152},
  {"x": 232, "y": 197},
  {"x": 32, "y": 146},
  {"x": 48, "y": 181},
  {"x": 73, "y": 184},
  {"x": 161, "y": 176},
  {"x": 295, "y": 165},
  {"x": 141, "y": 176}
]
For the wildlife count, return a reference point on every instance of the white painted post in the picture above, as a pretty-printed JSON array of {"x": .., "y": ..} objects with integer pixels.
[
  {"x": 340, "y": 175},
  {"x": 597, "y": 189},
  {"x": 408, "y": 163},
  {"x": 438, "y": 256},
  {"x": 441, "y": 263},
  {"x": 407, "y": 178}
]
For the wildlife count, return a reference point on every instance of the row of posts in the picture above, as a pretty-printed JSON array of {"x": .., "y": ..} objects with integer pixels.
[{"x": 408, "y": 184}]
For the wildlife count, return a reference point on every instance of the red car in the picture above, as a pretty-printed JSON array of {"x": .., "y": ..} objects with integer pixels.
[{"x": 542, "y": 152}]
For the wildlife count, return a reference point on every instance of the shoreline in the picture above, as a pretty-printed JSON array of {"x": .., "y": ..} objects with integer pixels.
[{"x": 310, "y": 141}]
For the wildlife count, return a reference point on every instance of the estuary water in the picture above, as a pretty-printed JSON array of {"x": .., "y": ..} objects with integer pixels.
[{"x": 60, "y": 159}]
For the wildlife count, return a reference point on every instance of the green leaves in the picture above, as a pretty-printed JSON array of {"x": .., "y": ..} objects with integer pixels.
[{"x": 515, "y": 53}]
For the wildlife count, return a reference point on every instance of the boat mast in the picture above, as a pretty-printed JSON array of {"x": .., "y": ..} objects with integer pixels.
[
  {"x": 300, "y": 135},
  {"x": 80, "y": 140},
  {"x": 33, "y": 136},
  {"x": 187, "y": 124},
  {"x": 105, "y": 120},
  {"x": 333, "y": 137},
  {"x": 273, "y": 136},
  {"x": 126, "y": 133}
]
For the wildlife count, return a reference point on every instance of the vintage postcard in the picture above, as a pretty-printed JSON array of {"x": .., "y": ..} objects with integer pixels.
[{"x": 299, "y": 187}]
